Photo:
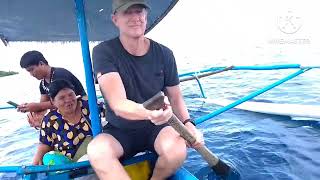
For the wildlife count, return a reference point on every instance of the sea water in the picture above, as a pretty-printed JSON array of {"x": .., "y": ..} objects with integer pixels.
[{"x": 259, "y": 146}]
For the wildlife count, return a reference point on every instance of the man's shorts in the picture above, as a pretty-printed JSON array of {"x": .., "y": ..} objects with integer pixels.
[{"x": 134, "y": 141}]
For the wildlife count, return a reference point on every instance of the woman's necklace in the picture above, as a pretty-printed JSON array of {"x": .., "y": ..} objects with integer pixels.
[{"x": 50, "y": 81}]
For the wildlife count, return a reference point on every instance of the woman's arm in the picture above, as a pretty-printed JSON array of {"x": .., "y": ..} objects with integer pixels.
[{"x": 42, "y": 149}]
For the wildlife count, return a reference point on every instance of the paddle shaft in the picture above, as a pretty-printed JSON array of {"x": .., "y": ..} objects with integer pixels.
[{"x": 157, "y": 102}]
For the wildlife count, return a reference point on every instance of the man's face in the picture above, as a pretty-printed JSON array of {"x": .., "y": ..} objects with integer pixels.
[
  {"x": 36, "y": 71},
  {"x": 131, "y": 22}
]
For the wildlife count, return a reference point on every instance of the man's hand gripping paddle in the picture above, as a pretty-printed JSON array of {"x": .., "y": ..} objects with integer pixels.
[{"x": 221, "y": 168}]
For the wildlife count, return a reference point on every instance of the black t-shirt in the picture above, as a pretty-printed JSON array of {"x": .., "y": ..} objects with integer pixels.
[
  {"x": 142, "y": 76},
  {"x": 61, "y": 73}
]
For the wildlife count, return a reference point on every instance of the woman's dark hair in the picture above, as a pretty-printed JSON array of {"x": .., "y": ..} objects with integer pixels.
[
  {"x": 31, "y": 58},
  {"x": 57, "y": 86}
]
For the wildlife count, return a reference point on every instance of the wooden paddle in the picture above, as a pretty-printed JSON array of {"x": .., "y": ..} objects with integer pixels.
[{"x": 157, "y": 102}]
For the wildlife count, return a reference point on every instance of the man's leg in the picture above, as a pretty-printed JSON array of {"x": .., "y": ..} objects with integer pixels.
[
  {"x": 104, "y": 152},
  {"x": 172, "y": 151}
]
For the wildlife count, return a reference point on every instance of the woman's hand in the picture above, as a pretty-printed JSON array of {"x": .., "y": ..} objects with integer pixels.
[
  {"x": 42, "y": 149},
  {"x": 35, "y": 118},
  {"x": 37, "y": 160},
  {"x": 23, "y": 108}
]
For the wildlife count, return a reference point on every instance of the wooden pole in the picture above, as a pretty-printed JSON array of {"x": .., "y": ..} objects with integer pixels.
[{"x": 220, "y": 167}]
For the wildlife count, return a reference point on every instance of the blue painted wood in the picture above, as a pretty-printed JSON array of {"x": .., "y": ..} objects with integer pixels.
[
  {"x": 7, "y": 107},
  {"x": 34, "y": 172},
  {"x": 183, "y": 174},
  {"x": 94, "y": 113},
  {"x": 248, "y": 97}
]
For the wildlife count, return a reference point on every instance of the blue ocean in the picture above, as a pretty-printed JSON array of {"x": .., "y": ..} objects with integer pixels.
[{"x": 259, "y": 146}]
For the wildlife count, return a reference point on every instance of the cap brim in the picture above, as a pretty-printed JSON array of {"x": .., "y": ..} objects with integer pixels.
[{"x": 129, "y": 4}]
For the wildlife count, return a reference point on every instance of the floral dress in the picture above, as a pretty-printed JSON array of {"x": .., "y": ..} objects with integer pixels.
[{"x": 65, "y": 137}]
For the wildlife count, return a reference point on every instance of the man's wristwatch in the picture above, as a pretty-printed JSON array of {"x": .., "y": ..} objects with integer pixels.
[{"x": 189, "y": 120}]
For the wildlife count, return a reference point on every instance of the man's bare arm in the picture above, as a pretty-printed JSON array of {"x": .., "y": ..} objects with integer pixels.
[
  {"x": 113, "y": 90},
  {"x": 177, "y": 102}
]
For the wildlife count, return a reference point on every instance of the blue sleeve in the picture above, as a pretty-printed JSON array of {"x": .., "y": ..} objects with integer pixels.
[
  {"x": 45, "y": 131},
  {"x": 85, "y": 105},
  {"x": 102, "y": 109}
]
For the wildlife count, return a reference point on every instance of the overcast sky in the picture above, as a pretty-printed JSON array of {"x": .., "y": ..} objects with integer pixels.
[
  {"x": 241, "y": 28},
  {"x": 240, "y": 31}
]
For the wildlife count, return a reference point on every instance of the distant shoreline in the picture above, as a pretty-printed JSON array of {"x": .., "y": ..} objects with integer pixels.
[{"x": 7, "y": 73}]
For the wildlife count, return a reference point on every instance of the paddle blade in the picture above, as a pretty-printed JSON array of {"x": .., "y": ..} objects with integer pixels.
[
  {"x": 221, "y": 168},
  {"x": 233, "y": 175},
  {"x": 209, "y": 174}
]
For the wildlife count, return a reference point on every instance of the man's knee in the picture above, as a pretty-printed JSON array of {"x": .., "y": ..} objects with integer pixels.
[
  {"x": 169, "y": 141},
  {"x": 176, "y": 153},
  {"x": 104, "y": 146},
  {"x": 98, "y": 146}
]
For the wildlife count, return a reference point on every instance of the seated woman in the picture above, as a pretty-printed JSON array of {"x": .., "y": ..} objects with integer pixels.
[{"x": 66, "y": 129}]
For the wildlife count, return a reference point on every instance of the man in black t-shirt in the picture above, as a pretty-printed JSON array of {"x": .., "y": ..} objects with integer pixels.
[
  {"x": 38, "y": 67},
  {"x": 130, "y": 69}
]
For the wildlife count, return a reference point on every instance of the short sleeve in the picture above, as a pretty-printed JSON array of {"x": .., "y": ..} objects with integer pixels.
[
  {"x": 102, "y": 109},
  {"x": 45, "y": 132},
  {"x": 85, "y": 104},
  {"x": 103, "y": 59},
  {"x": 171, "y": 72}
]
